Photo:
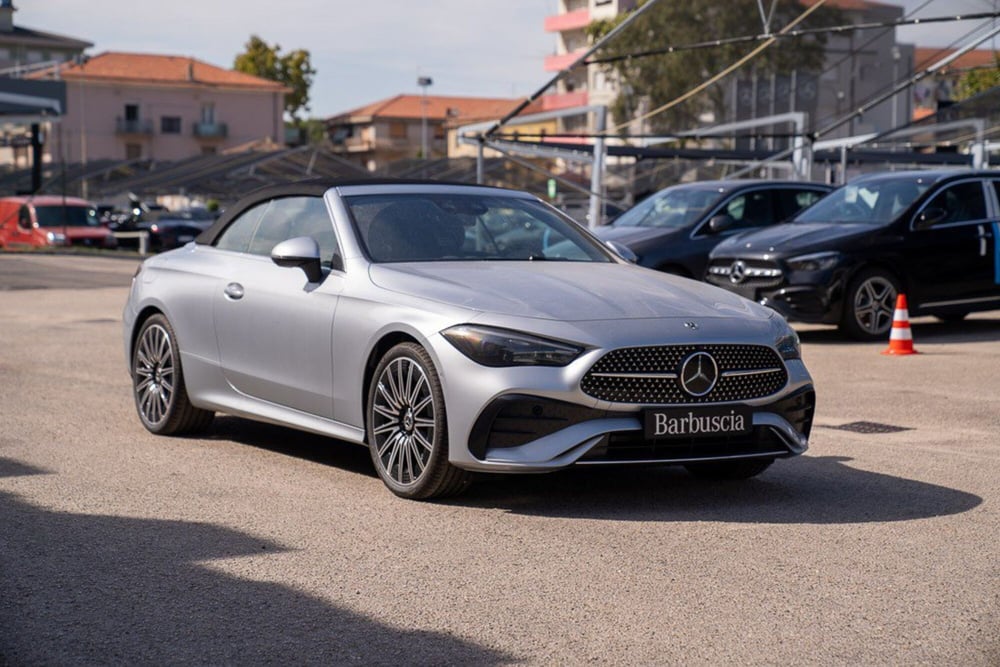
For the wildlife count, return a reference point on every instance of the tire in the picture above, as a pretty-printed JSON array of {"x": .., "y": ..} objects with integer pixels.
[
  {"x": 407, "y": 427},
  {"x": 729, "y": 470},
  {"x": 161, "y": 397},
  {"x": 869, "y": 305}
]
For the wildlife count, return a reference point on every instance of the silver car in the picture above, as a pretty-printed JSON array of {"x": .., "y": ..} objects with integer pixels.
[{"x": 455, "y": 329}]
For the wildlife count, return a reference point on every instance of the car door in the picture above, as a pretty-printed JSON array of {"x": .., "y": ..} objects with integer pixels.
[
  {"x": 952, "y": 260},
  {"x": 273, "y": 327}
]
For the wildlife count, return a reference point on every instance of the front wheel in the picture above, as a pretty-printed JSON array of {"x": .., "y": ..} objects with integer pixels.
[
  {"x": 407, "y": 427},
  {"x": 158, "y": 382},
  {"x": 869, "y": 305}
]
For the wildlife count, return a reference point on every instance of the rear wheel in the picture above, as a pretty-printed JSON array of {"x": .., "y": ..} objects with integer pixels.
[
  {"x": 733, "y": 470},
  {"x": 407, "y": 427},
  {"x": 158, "y": 382},
  {"x": 869, "y": 305}
]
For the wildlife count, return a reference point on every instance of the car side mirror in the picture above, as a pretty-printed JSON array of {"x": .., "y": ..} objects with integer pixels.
[
  {"x": 301, "y": 252},
  {"x": 623, "y": 251},
  {"x": 720, "y": 223},
  {"x": 930, "y": 217}
]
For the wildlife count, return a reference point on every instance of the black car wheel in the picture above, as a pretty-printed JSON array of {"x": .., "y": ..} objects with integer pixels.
[
  {"x": 158, "y": 382},
  {"x": 733, "y": 470},
  {"x": 869, "y": 305},
  {"x": 407, "y": 427}
]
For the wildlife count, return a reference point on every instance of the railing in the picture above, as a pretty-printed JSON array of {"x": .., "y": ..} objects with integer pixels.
[
  {"x": 211, "y": 130},
  {"x": 127, "y": 126}
]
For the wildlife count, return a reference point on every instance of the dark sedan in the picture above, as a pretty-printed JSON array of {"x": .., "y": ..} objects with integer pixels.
[
  {"x": 930, "y": 234},
  {"x": 169, "y": 229},
  {"x": 675, "y": 229}
]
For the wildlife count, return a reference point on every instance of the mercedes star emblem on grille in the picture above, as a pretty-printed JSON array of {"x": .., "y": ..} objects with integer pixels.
[
  {"x": 691, "y": 325},
  {"x": 699, "y": 373},
  {"x": 738, "y": 271}
]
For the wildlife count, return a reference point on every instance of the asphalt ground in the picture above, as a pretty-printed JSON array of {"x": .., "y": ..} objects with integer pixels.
[{"x": 257, "y": 544}]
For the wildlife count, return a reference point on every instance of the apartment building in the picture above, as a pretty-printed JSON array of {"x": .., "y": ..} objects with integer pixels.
[
  {"x": 24, "y": 48},
  {"x": 393, "y": 128},
  {"x": 858, "y": 65},
  {"x": 130, "y": 106}
]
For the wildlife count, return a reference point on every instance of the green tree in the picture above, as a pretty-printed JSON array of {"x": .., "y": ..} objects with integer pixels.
[
  {"x": 659, "y": 79},
  {"x": 978, "y": 80},
  {"x": 293, "y": 69}
]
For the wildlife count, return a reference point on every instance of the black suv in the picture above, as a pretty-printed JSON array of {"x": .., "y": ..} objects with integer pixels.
[
  {"x": 930, "y": 234},
  {"x": 675, "y": 229}
]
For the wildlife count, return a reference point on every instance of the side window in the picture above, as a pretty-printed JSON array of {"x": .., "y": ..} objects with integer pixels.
[
  {"x": 24, "y": 217},
  {"x": 290, "y": 217},
  {"x": 963, "y": 202},
  {"x": 751, "y": 209},
  {"x": 237, "y": 235},
  {"x": 310, "y": 218},
  {"x": 792, "y": 201}
]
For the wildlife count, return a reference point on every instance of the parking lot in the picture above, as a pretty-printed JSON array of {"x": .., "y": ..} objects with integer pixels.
[{"x": 261, "y": 544}]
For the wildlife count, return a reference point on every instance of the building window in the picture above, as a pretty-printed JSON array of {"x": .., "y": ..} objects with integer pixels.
[
  {"x": 397, "y": 130},
  {"x": 131, "y": 112},
  {"x": 170, "y": 125},
  {"x": 439, "y": 131},
  {"x": 208, "y": 113},
  {"x": 133, "y": 151}
]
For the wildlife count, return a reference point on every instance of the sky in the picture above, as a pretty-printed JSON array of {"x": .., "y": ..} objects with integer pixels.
[{"x": 367, "y": 50}]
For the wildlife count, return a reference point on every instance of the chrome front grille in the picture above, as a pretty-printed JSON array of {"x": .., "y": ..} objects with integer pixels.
[
  {"x": 745, "y": 274},
  {"x": 651, "y": 375}
]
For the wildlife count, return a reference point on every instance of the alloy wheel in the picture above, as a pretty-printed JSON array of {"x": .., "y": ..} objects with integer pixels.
[
  {"x": 154, "y": 373},
  {"x": 874, "y": 305},
  {"x": 403, "y": 417}
]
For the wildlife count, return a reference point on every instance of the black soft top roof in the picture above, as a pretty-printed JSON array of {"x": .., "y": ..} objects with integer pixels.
[{"x": 314, "y": 188}]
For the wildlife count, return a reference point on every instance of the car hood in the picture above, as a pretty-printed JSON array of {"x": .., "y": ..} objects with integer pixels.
[
  {"x": 565, "y": 291},
  {"x": 632, "y": 236},
  {"x": 790, "y": 239}
]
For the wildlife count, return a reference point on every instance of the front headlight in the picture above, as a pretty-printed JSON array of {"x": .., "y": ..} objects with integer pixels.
[
  {"x": 55, "y": 238},
  {"x": 787, "y": 343},
  {"x": 819, "y": 261},
  {"x": 501, "y": 347}
]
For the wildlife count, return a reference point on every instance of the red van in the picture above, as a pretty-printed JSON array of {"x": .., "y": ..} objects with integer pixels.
[{"x": 47, "y": 220}]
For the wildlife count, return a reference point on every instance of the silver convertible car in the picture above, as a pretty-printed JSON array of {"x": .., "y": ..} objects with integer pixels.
[{"x": 455, "y": 329}]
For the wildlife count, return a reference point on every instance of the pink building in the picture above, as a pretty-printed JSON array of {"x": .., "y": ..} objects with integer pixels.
[{"x": 129, "y": 106}]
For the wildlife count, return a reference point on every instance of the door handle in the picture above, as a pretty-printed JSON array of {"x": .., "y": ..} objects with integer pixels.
[{"x": 234, "y": 291}]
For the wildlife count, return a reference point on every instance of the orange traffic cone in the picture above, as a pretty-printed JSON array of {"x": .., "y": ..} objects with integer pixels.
[{"x": 901, "y": 338}]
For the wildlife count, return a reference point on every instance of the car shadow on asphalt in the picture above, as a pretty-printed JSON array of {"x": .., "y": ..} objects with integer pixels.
[
  {"x": 804, "y": 490},
  {"x": 924, "y": 331},
  {"x": 93, "y": 589}
]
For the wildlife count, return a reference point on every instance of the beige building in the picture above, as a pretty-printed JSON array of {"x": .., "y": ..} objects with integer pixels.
[
  {"x": 393, "y": 129},
  {"x": 130, "y": 106}
]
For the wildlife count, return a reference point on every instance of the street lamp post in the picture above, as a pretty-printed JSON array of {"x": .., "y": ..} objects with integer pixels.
[{"x": 423, "y": 82}]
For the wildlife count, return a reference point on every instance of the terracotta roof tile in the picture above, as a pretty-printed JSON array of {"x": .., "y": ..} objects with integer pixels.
[
  {"x": 924, "y": 57},
  {"x": 438, "y": 107},
  {"x": 150, "y": 68}
]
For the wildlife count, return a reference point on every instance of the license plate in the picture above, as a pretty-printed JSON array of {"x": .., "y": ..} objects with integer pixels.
[{"x": 697, "y": 422}]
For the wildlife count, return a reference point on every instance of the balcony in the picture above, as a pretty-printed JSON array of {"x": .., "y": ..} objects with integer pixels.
[
  {"x": 559, "y": 101},
  {"x": 210, "y": 130},
  {"x": 133, "y": 126},
  {"x": 569, "y": 21},
  {"x": 559, "y": 62}
]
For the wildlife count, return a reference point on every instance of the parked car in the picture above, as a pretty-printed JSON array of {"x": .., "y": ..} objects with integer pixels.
[
  {"x": 930, "y": 234},
  {"x": 386, "y": 314},
  {"x": 674, "y": 229},
  {"x": 169, "y": 229},
  {"x": 47, "y": 220}
]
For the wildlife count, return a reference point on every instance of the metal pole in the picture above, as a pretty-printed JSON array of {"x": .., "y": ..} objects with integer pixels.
[
  {"x": 423, "y": 82},
  {"x": 595, "y": 217},
  {"x": 480, "y": 175}
]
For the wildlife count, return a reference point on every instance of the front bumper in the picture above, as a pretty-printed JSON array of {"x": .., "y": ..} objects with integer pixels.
[
  {"x": 535, "y": 419},
  {"x": 815, "y": 297}
]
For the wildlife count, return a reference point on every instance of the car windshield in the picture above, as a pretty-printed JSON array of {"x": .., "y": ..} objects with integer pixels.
[
  {"x": 453, "y": 227},
  {"x": 67, "y": 216},
  {"x": 876, "y": 202},
  {"x": 673, "y": 208}
]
